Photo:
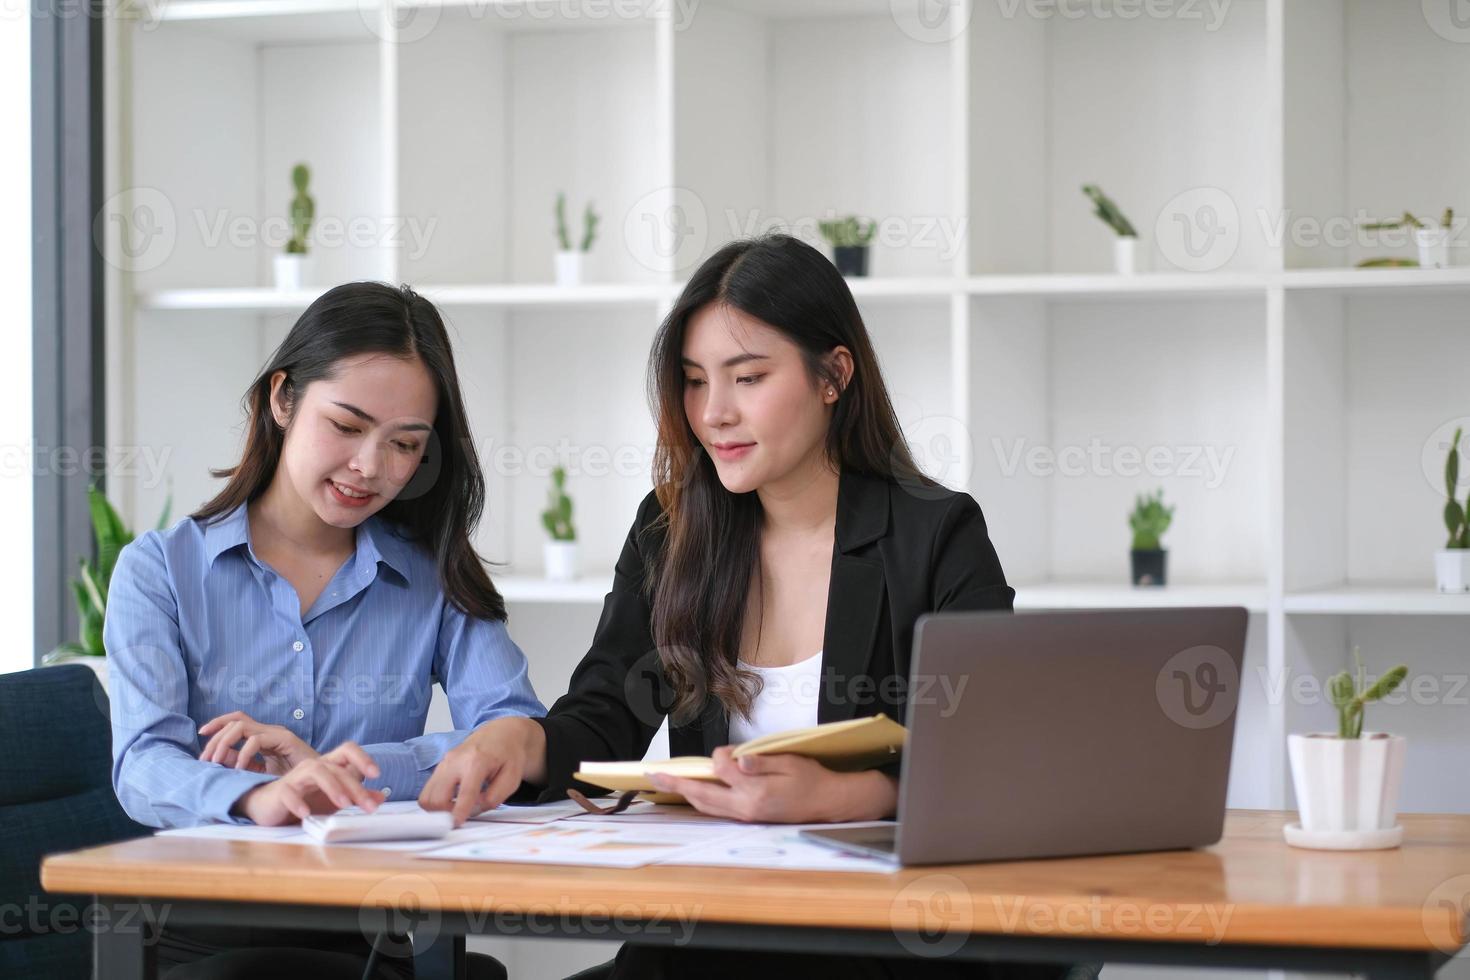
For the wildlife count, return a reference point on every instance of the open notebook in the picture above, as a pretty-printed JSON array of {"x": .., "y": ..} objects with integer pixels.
[{"x": 847, "y": 746}]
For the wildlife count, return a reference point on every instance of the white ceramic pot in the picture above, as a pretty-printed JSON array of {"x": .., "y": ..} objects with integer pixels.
[
  {"x": 292, "y": 270},
  {"x": 568, "y": 268},
  {"x": 1434, "y": 247},
  {"x": 98, "y": 666},
  {"x": 1127, "y": 256},
  {"x": 1452, "y": 569},
  {"x": 1347, "y": 787},
  {"x": 560, "y": 558}
]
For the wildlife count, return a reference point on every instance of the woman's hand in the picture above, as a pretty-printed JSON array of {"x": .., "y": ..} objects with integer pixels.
[
  {"x": 785, "y": 789},
  {"x": 273, "y": 749},
  {"x": 324, "y": 784},
  {"x": 502, "y": 753}
]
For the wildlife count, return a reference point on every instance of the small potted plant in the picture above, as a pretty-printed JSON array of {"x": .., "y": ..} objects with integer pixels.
[
  {"x": 560, "y": 553},
  {"x": 1347, "y": 785},
  {"x": 1127, "y": 257},
  {"x": 293, "y": 266},
  {"x": 1452, "y": 562},
  {"x": 1433, "y": 241},
  {"x": 849, "y": 238},
  {"x": 1149, "y": 520},
  {"x": 568, "y": 259},
  {"x": 90, "y": 589}
]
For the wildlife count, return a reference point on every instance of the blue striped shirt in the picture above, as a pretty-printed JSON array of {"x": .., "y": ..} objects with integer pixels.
[{"x": 198, "y": 626}]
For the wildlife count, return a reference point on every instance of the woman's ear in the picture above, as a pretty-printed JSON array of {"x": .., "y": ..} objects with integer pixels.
[
  {"x": 280, "y": 403},
  {"x": 839, "y": 363}
]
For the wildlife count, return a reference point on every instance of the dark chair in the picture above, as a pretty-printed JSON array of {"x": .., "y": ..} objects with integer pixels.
[
  {"x": 599, "y": 972},
  {"x": 55, "y": 795}
]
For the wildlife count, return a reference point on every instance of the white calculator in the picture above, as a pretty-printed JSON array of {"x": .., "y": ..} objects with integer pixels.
[{"x": 340, "y": 828}]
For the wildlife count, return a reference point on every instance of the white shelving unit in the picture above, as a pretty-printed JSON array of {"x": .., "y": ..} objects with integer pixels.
[
  {"x": 1293, "y": 405},
  {"x": 1289, "y": 401}
]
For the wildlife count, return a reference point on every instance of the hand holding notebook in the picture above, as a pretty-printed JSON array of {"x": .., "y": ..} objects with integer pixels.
[{"x": 844, "y": 746}]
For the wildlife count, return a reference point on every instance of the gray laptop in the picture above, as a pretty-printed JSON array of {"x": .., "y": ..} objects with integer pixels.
[{"x": 1049, "y": 734}]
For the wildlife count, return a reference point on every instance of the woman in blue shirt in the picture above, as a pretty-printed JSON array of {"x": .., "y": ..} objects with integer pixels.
[{"x": 298, "y": 620}]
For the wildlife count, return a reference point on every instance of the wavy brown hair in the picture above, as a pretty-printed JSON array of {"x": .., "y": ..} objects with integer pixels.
[
  {"x": 700, "y": 576},
  {"x": 441, "y": 504}
]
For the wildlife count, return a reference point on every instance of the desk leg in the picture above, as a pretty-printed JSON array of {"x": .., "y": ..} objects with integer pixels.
[
  {"x": 120, "y": 948},
  {"x": 1420, "y": 966},
  {"x": 444, "y": 959}
]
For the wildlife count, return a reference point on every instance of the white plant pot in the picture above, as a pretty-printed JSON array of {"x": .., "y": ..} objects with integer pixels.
[
  {"x": 568, "y": 268},
  {"x": 1434, "y": 247},
  {"x": 1452, "y": 569},
  {"x": 292, "y": 270},
  {"x": 98, "y": 666},
  {"x": 560, "y": 558},
  {"x": 1127, "y": 256},
  {"x": 1347, "y": 790}
]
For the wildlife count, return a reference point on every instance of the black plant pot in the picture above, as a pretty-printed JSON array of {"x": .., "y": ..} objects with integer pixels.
[
  {"x": 1148, "y": 566},
  {"x": 851, "y": 260}
]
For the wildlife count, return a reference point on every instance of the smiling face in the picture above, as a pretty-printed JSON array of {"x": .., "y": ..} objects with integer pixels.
[
  {"x": 354, "y": 440},
  {"x": 751, "y": 400}
]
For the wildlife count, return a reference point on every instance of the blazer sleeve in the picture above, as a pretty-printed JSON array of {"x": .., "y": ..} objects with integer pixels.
[
  {"x": 617, "y": 697},
  {"x": 967, "y": 573}
]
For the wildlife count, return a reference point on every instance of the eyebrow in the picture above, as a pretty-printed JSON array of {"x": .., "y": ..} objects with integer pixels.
[
  {"x": 737, "y": 359},
  {"x": 408, "y": 427}
]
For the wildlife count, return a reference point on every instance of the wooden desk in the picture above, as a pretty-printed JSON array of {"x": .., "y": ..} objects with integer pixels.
[{"x": 1249, "y": 901}]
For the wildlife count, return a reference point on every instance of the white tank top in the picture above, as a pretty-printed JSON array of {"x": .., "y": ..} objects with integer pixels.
[{"x": 788, "y": 699}]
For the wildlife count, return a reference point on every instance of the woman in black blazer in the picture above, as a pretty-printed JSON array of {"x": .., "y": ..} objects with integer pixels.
[
  {"x": 788, "y": 517},
  {"x": 898, "y": 554}
]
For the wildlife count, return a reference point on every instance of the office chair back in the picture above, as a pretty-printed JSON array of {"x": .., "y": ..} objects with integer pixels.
[{"x": 55, "y": 795}]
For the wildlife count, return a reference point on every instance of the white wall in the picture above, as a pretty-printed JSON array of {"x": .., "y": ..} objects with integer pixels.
[{"x": 16, "y": 526}]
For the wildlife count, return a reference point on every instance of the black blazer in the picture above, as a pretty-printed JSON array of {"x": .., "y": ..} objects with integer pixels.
[{"x": 899, "y": 551}]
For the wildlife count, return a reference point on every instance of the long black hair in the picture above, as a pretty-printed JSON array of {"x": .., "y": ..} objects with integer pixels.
[
  {"x": 701, "y": 578},
  {"x": 441, "y": 504}
]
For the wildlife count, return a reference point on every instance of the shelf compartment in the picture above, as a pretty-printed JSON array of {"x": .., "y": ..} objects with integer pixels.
[
  {"x": 1372, "y": 395},
  {"x": 1074, "y": 408},
  {"x": 212, "y": 163},
  {"x": 486, "y": 165},
  {"x": 1176, "y": 136},
  {"x": 807, "y": 109},
  {"x": 1376, "y": 121}
]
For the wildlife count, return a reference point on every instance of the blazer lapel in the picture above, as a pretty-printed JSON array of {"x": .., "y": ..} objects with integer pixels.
[
  {"x": 855, "y": 596},
  {"x": 854, "y": 606}
]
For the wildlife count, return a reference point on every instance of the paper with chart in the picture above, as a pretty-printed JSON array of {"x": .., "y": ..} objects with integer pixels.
[
  {"x": 644, "y": 812},
  {"x": 592, "y": 843},
  {"x": 778, "y": 847},
  {"x": 532, "y": 813},
  {"x": 606, "y": 843}
]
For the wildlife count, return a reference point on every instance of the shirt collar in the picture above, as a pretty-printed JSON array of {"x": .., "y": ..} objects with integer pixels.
[
  {"x": 228, "y": 531},
  {"x": 376, "y": 541}
]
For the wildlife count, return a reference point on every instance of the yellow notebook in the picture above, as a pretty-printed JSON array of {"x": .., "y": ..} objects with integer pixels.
[{"x": 847, "y": 746}]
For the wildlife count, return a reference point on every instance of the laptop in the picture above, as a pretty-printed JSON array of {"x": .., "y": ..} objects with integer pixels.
[{"x": 1035, "y": 735}]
